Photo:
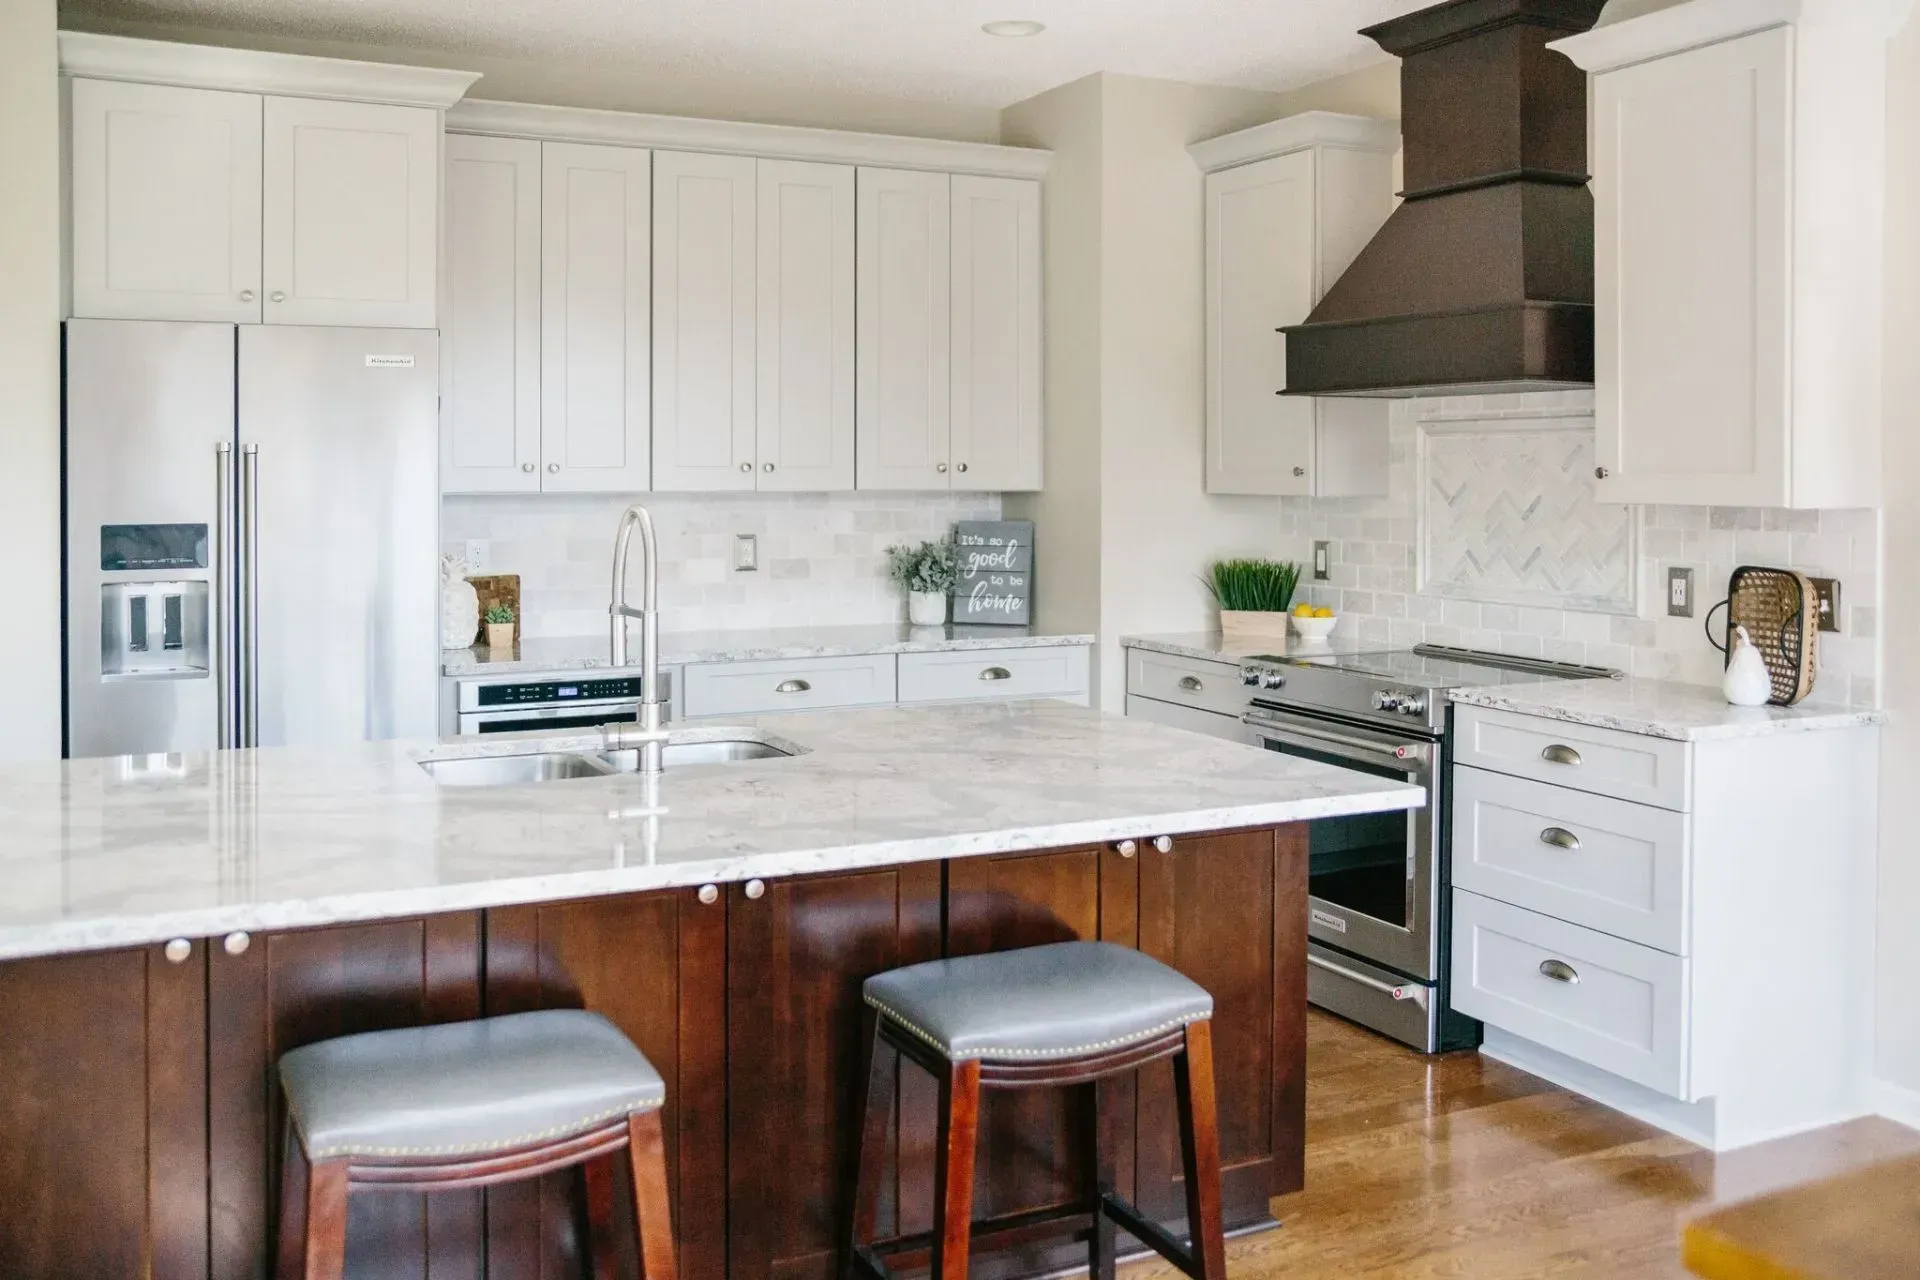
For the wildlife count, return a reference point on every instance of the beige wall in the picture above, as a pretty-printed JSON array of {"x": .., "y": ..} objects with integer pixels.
[
  {"x": 609, "y": 86},
  {"x": 1897, "y": 1055},
  {"x": 1370, "y": 91},
  {"x": 30, "y": 380}
]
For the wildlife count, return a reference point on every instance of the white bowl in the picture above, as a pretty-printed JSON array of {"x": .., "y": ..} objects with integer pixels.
[{"x": 1313, "y": 628}]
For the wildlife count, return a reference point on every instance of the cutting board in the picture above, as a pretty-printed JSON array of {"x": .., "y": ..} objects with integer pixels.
[{"x": 493, "y": 589}]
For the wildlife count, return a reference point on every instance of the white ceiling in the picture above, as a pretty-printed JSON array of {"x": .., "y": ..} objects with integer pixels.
[{"x": 930, "y": 50}]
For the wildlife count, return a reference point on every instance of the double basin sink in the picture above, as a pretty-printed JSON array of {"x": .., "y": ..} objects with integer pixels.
[{"x": 555, "y": 766}]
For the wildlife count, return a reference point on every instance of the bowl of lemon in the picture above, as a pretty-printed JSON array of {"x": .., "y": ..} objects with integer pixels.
[{"x": 1312, "y": 624}]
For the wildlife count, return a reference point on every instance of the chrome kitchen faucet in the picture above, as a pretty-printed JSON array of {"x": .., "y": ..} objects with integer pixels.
[{"x": 647, "y": 735}]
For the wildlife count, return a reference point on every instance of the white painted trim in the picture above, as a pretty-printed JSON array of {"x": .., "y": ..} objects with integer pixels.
[
  {"x": 1665, "y": 31},
  {"x": 727, "y": 137},
  {"x": 1690, "y": 1120},
  {"x": 1295, "y": 133},
  {"x": 198, "y": 66},
  {"x": 1896, "y": 1103}
]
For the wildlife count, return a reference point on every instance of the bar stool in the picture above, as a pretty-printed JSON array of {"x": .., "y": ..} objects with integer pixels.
[
  {"x": 467, "y": 1104},
  {"x": 1065, "y": 1014}
]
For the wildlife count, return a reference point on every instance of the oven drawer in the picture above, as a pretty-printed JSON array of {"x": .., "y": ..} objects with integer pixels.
[
  {"x": 1626, "y": 766},
  {"x": 1606, "y": 864},
  {"x": 1615, "y": 1005},
  {"x": 801, "y": 684},
  {"x": 967, "y": 675},
  {"x": 1189, "y": 682}
]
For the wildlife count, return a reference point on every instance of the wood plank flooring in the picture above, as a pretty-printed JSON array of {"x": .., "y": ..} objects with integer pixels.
[{"x": 1459, "y": 1167}]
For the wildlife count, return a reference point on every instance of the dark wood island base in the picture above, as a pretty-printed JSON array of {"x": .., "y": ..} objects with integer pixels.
[{"x": 139, "y": 1123}]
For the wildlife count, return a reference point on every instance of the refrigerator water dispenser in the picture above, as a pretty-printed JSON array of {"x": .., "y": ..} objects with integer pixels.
[{"x": 154, "y": 631}]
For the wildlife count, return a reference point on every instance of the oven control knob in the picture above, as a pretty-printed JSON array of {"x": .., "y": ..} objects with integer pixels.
[
  {"x": 1250, "y": 677},
  {"x": 1386, "y": 701},
  {"x": 1413, "y": 704},
  {"x": 1273, "y": 680}
]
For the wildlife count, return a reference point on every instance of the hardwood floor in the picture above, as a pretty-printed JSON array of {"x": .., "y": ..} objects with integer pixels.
[{"x": 1460, "y": 1167}]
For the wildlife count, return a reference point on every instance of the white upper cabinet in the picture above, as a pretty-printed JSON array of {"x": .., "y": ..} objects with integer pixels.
[
  {"x": 904, "y": 323},
  {"x": 235, "y": 185},
  {"x": 596, "y": 244},
  {"x": 166, "y": 202},
  {"x": 1288, "y": 207},
  {"x": 805, "y": 326},
  {"x": 995, "y": 413},
  {"x": 490, "y": 326},
  {"x": 350, "y": 207},
  {"x": 1738, "y": 161},
  {"x": 703, "y": 321}
]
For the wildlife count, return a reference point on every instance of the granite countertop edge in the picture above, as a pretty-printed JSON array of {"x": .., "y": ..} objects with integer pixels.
[
  {"x": 590, "y": 653},
  {"x": 1695, "y": 713}
]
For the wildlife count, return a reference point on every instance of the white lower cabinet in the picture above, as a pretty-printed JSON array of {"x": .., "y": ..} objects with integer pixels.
[
  {"x": 972, "y": 675},
  {"x": 798, "y": 684}
]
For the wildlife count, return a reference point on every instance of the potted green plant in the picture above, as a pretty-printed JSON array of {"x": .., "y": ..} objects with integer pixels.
[
  {"x": 500, "y": 626},
  {"x": 1254, "y": 596},
  {"x": 928, "y": 572}
]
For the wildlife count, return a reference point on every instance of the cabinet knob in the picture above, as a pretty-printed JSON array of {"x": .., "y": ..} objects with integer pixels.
[
  {"x": 1163, "y": 844},
  {"x": 756, "y": 890},
  {"x": 236, "y": 943},
  {"x": 962, "y": 468},
  {"x": 746, "y": 466},
  {"x": 1126, "y": 848},
  {"x": 709, "y": 893},
  {"x": 1299, "y": 471},
  {"x": 277, "y": 296},
  {"x": 246, "y": 295},
  {"x": 1600, "y": 473},
  {"x": 177, "y": 950},
  {"x": 527, "y": 467},
  {"x": 766, "y": 466},
  {"x": 941, "y": 468},
  {"x": 554, "y": 468}
]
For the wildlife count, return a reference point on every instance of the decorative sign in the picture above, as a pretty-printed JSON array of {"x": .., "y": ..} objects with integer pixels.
[{"x": 996, "y": 572}]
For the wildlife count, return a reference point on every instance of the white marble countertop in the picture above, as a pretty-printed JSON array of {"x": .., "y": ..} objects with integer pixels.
[
  {"x": 1210, "y": 645},
  {"x": 1663, "y": 709},
  {"x": 136, "y": 849},
  {"x": 587, "y": 653}
]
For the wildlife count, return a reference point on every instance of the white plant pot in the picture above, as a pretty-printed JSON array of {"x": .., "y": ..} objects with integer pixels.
[
  {"x": 459, "y": 613},
  {"x": 927, "y": 608}
]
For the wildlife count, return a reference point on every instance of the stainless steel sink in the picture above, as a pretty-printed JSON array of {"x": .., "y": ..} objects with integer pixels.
[
  {"x": 508, "y": 771},
  {"x": 717, "y": 751}
]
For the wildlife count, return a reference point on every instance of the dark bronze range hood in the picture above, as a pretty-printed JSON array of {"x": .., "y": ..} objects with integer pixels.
[{"x": 1482, "y": 280}]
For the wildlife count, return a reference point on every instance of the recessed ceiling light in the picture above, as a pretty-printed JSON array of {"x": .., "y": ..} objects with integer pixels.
[{"x": 1014, "y": 28}]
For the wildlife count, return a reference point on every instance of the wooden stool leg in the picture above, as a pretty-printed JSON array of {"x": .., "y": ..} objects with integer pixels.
[
  {"x": 1099, "y": 1163},
  {"x": 953, "y": 1175},
  {"x": 652, "y": 1213},
  {"x": 870, "y": 1152},
  {"x": 597, "y": 1175},
  {"x": 326, "y": 1220},
  {"x": 1200, "y": 1150},
  {"x": 292, "y": 1260}
]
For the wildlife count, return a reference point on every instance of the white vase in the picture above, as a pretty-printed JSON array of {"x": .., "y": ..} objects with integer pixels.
[
  {"x": 459, "y": 605},
  {"x": 927, "y": 608},
  {"x": 1746, "y": 682}
]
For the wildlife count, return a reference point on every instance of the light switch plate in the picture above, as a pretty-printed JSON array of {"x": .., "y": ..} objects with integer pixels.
[
  {"x": 1679, "y": 592},
  {"x": 1827, "y": 592},
  {"x": 746, "y": 553},
  {"x": 1322, "y": 561}
]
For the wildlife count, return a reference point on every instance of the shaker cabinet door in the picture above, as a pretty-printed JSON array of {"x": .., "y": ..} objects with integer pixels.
[
  {"x": 351, "y": 213},
  {"x": 490, "y": 327},
  {"x": 703, "y": 315},
  {"x": 995, "y": 403},
  {"x": 595, "y": 317},
  {"x": 166, "y": 202},
  {"x": 904, "y": 325},
  {"x": 805, "y": 330}
]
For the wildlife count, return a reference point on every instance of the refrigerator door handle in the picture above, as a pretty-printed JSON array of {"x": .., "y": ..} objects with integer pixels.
[
  {"x": 250, "y": 596},
  {"x": 223, "y": 562}
]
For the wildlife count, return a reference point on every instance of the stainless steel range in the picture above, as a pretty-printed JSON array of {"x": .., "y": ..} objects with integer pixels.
[{"x": 1378, "y": 883}]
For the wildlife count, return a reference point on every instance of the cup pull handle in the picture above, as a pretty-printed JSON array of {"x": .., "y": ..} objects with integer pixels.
[
  {"x": 1560, "y": 971},
  {"x": 792, "y": 686},
  {"x": 996, "y": 673},
  {"x": 1560, "y": 838},
  {"x": 1560, "y": 753},
  {"x": 1191, "y": 684}
]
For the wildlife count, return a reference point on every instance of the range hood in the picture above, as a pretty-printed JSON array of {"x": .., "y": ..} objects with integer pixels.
[{"x": 1482, "y": 280}]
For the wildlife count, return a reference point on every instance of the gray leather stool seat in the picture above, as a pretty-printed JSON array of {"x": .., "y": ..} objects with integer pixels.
[
  {"x": 1066, "y": 1000},
  {"x": 466, "y": 1087}
]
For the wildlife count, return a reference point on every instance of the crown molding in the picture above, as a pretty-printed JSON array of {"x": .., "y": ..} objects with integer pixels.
[
  {"x": 774, "y": 141},
  {"x": 102, "y": 57},
  {"x": 1296, "y": 133},
  {"x": 1664, "y": 31}
]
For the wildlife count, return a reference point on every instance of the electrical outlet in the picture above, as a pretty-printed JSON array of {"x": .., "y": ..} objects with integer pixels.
[
  {"x": 477, "y": 555},
  {"x": 746, "y": 553},
  {"x": 1679, "y": 593},
  {"x": 1827, "y": 592},
  {"x": 1322, "y": 561}
]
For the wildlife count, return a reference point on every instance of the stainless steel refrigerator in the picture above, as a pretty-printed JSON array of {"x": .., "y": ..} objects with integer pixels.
[{"x": 252, "y": 535}]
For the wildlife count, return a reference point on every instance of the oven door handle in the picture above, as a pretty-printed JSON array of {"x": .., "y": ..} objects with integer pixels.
[
  {"x": 1413, "y": 991},
  {"x": 1316, "y": 736}
]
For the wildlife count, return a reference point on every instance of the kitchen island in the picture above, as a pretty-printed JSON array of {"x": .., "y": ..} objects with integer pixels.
[{"x": 170, "y": 925}]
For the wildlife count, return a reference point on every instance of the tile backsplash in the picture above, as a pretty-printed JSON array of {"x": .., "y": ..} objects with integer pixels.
[
  {"x": 1538, "y": 525},
  {"x": 822, "y": 557}
]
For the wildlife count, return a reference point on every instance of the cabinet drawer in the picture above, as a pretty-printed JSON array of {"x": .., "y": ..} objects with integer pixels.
[
  {"x": 1191, "y": 682},
  {"x": 1606, "y": 762},
  {"x": 1617, "y": 1006},
  {"x": 969, "y": 674},
  {"x": 1211, "y": 723},
  {"x": 802, "y": 684},
  {"x": 1606, "y": 864}
]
